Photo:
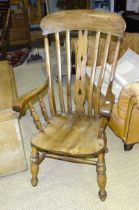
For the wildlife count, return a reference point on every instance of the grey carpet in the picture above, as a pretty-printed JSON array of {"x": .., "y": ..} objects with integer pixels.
[{"x": 68, "y": 186}]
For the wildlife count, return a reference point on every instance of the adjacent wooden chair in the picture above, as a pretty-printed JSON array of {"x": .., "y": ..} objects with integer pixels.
[
  {"x": 4, "y": 36},
  {"x": 4, "y": 32},
  {"x": 75, "y": 132}
]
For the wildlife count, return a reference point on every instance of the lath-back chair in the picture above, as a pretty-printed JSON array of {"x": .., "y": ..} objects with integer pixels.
[{"x": 75, "y": 133}]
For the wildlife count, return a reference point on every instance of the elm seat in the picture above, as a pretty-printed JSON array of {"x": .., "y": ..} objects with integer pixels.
[
  {"x": 70, "y": 135},
  {"x": 76, "y": 133}
]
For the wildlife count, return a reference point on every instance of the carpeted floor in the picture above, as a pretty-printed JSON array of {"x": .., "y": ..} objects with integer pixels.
[{"x": 68, "y": 186}]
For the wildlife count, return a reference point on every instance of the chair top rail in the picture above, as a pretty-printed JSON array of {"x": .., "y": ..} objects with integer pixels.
[{"x": 84, "y": 19}]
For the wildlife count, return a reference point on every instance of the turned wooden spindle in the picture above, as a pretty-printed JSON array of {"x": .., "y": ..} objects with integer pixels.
[
  {"x": 35, "y": 117},
  {"x": 43, "y": 109}
]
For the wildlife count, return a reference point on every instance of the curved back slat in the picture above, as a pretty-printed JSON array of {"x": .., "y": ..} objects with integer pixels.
[{"x": 83, "y": 20}]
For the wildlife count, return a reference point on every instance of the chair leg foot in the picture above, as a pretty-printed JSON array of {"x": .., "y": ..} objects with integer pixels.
[
  {"x": 34, "y": 182},
  {"x": 106, "y": 150},
  {"x": 102, "y": 195},
  {"x": 101, "y": 176},
  {"x": 34, "y": 166},
  {"x": 128, "y": 147}
]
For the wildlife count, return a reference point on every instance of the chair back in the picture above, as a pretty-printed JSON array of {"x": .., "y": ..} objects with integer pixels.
[{"x": 85, "y": 23}]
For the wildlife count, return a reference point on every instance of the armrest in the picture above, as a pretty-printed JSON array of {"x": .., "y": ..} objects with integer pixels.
[
  {"x": 106, "y": 108},
  {"x": 21, "y": 102},
  {"x": 129, "y": 97}
]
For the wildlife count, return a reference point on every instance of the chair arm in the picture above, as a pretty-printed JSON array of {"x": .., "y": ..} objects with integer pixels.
[
  {"x": 21, "y": 102},
  {"x": 106, "y": 108},
  {"x": 132, "y": 90},
  {"x": 129, "y": 97}
]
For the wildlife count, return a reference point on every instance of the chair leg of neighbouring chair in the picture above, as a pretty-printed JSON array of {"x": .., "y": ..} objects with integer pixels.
[
  {"x": 101, "y": 176},
  {"x": 34, "y": 166},
  {"x": 128, "y": 147}
]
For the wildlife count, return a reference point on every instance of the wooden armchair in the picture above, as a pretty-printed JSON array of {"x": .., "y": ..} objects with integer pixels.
[{"x": 75, "y": 132}]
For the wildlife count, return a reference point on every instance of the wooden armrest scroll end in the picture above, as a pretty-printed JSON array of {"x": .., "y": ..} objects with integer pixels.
[
  {"x": 106, "y": 109},
  {"x": 22, "y": 101}
]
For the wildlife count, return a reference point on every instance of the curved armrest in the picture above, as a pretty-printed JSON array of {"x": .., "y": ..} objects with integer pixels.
[
  {"x": 129, "y": 97},
  {"x": 106, "y": 108},
  {"x": 132, "y": 90},
  {"x": 21, "y": 102}
]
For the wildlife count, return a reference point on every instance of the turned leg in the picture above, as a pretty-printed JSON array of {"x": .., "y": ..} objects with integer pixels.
[
  {"x": 101, "y": 176},
  {"x": 105, "y": 142},
  {"x": 34, "y": 166},
  {"x": 128, "y": 147}
]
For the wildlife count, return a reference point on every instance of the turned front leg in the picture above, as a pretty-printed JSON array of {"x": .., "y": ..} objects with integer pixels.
[
  {"x": 34, "y": 166},
  {"x": 101, "y": 176}
]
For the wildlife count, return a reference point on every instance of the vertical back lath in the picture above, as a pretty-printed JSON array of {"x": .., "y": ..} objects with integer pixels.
[
  {"x": 60, "y": 86},
  {"x": 51, "y": 88},
  {"x": 115, "y": 60},
  {"x": 93, "y": 71},
  {"x": 68, "y": 57},
  {"x": 102, "y": 73}
]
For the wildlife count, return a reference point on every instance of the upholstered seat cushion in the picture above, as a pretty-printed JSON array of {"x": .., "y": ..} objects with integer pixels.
[{"x": 70, "y": 135}]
